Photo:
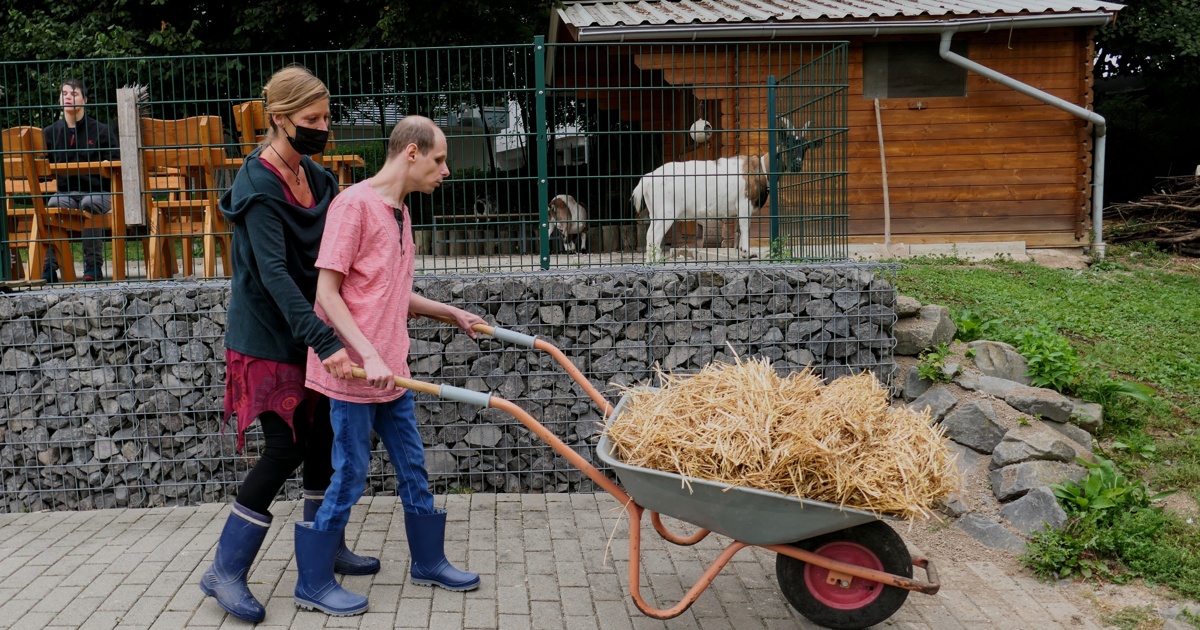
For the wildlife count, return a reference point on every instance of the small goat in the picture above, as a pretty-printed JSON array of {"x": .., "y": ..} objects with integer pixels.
[
  {"x": 569, "y": 218},
  {"x": 701, "y": 190}
]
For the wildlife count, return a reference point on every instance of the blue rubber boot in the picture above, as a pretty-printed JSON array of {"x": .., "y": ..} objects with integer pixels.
[
  {"x": 346, "y": 562},
  {"x": 226, "y": 578},
  {"x": 426, "y": 540},
  {"x": 315, "y": 587}
]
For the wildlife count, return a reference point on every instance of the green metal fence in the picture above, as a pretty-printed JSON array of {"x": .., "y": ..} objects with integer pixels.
[{"x": 527, "y": 125}]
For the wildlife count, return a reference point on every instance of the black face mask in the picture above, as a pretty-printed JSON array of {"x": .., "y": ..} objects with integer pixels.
[{"x": 308, "y": 141}]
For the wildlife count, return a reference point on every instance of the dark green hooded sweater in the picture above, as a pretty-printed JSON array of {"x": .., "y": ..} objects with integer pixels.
[{"x": 275, "y": 245}]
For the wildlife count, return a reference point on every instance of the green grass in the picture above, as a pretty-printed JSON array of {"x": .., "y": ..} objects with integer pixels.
[{"x": 1133, "y": 317}]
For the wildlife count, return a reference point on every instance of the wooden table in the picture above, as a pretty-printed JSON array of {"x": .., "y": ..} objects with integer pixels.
[
  {"x": 342, "y": 165},
  {"x": 110, "y": 169}
]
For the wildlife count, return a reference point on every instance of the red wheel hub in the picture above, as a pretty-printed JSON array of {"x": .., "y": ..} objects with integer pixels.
[{"x": 860, "y": 592}]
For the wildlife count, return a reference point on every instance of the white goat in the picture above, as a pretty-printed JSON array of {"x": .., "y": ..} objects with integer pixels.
[
  {"x": 701, "y": 190},
  {"x": 569, "y": 218}
]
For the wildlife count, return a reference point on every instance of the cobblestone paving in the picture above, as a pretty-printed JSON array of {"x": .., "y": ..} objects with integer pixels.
[{"x": 542, "y": 558}]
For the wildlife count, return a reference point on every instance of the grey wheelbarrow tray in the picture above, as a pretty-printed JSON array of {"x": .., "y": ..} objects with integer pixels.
[{"x": 750, "y": 517}]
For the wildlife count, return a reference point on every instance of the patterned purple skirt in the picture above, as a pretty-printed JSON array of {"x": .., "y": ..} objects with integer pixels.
[{"x": 254, "y": 386}]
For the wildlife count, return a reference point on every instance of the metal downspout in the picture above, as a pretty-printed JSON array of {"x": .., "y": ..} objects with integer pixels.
[{"x": 1099, "y": 129}]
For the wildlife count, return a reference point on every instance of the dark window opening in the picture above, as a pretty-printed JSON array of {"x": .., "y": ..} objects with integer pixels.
[{"x": 912, "y": 69}]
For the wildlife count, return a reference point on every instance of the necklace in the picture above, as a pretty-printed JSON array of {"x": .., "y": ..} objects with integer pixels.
[{"x": 295, "y": 171}]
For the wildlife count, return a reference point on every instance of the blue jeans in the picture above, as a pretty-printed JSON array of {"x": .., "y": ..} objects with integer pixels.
[{"x": 396, "y": 424}]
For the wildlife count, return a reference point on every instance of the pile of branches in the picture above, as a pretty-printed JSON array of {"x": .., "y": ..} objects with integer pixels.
[{"x": 1169, "y": 218}]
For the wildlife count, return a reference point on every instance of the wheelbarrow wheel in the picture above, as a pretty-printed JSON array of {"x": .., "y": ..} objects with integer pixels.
[{"x": 864, "y": 603}]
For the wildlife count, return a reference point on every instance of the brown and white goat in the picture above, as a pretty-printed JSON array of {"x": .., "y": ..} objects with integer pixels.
[
  {"x": 570, "y": 219},
  {"x": 704, "y": 190}
]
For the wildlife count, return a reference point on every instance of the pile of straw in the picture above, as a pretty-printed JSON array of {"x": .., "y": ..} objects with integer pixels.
[{"x": 744, "y": 425}]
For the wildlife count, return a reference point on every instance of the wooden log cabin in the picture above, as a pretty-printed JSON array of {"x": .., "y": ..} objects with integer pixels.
[{"x": 996, "y": 149}]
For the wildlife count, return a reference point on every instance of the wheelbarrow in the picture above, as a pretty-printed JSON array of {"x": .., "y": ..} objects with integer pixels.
[{"x": 839, "y": 567}]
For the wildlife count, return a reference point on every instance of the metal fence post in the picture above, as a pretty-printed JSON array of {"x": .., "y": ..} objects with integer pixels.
[
  {"x": 543, "y": 188},
  {"x": 5, "y": 262},
  {"x": 772, "y": 148}
]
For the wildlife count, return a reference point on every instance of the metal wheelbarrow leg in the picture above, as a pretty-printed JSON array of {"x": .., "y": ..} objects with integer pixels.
[{"x": 838, "y": 573}]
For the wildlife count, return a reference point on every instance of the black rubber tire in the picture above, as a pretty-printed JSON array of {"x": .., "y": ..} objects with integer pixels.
[{"x": 878, "y": 539}]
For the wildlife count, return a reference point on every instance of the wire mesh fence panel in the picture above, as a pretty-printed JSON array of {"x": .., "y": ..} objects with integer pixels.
[{"x": 547, "y": 145}]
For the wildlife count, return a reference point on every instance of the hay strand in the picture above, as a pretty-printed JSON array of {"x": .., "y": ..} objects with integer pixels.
[{"x": 744, "y": 425}]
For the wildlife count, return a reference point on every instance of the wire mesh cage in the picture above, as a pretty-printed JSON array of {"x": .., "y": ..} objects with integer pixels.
[{"x": 114, "y": 397}]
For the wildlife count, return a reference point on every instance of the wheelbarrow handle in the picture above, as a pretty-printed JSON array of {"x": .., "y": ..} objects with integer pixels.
[
  {"x": 530, "y": 341},
  {"x": 484, "y": 399}
]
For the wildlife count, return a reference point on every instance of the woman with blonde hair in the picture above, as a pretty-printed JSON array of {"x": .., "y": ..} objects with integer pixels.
[{"x": 277, "y": 208}]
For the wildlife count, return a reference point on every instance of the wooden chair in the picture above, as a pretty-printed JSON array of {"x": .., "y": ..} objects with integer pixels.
[
  {"x": 190, "y": 147},
  {"x": 38, "y": 227},
  {"x": 253, "y": 124}
]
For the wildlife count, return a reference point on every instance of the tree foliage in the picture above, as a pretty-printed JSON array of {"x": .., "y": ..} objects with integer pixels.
[
  {"x": 1158, "y": 39},
  {"x": 130, "y": 28}
]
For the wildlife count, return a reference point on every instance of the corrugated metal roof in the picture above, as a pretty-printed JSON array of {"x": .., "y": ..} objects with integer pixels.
[{"x": 587, "y": 13}]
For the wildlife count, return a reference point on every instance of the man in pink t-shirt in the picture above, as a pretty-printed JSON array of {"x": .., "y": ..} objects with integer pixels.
[{"x": 364, "y": 292}]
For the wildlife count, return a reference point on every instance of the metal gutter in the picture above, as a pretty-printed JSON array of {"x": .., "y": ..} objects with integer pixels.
[
  {"x": 1099, "y": 129},
  {"x": 776, "y": 30}
]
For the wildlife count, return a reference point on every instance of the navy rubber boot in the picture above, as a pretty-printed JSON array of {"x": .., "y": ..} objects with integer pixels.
[
  {"x": 426, "y": 545},
  {"x": 316, "y": 589},
  {"x": 346, "y": 562},
  {"x": 226, "y": 578}
]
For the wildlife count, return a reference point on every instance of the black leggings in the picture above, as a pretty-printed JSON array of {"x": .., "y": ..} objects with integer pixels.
[{"x": 282, "y": 455}]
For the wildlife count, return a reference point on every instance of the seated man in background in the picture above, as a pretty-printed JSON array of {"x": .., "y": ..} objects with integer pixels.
[{"x": 77, "y": 138}]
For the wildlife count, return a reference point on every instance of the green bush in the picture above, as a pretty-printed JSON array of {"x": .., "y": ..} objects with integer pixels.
[
  {"x": 932, "y": 363},
  {"x": 1052, "y": 361}
]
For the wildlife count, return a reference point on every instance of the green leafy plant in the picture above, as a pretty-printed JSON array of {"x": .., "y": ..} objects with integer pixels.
[
  {"x": 1104, "y": 488},
  {"x": 1052, "y": 361},
  {"x": 972, "y": 326},
  {"x": 931, "y": 364},
  {"x": 1023, "y": 421},
  {"x": 780, "y": 251}
]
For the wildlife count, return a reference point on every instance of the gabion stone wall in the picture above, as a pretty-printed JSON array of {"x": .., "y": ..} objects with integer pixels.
[{"x": 112, "y": 397}]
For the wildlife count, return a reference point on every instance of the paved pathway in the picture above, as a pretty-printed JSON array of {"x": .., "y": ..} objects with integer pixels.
[{"x": 542, "y": 558}]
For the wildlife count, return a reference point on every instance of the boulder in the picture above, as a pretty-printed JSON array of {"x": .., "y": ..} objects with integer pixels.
[
  {"x": 937, "y": 401},
  {"x": 1032, "y": 444},
  {"x": 906, "y": 306},
  {"x": 1089, "y": 416},
  {"x": 1040, "y": 402},
  {"x": 1072, "y": 432},
  {"x": 990, "y": 533},
  {"x": 1015, "y": 481},
  {"x": 990, "y": 385},
  {"x": 1035, "y": 511},
  {"x": 932, "y": 326},
  {"x": 1000, "y": 360},
  {"x": 974, "y": 424}
]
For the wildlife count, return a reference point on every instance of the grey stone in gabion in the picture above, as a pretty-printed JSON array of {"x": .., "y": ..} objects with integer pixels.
[
  {"x": 677, "y": 356},
  {"x": 483, "y": 435},
  {"x": 932, "y": 326},
  {"x": 974, "y": 424},
  {"x": 821, "y": 308},
  {"x": 17, "y": 333},
  {"x": 1041, "y": 402},
  {"x": 800, "y": 357},
  {"x": 991, "y": 533},
  {"x": 802, "y": 330},
  {"x": 1014, "y": 481},
  {"x": 15, "y": 360},
  {"x": 847, "y": 299},
  {"x": 938, "y": 401},
  {"x": 998, "y": 359},
  {"x": 1034, "y": 512},
  {"x": 1030, "y": 444},
  {"x": 461, "y": 349}
]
